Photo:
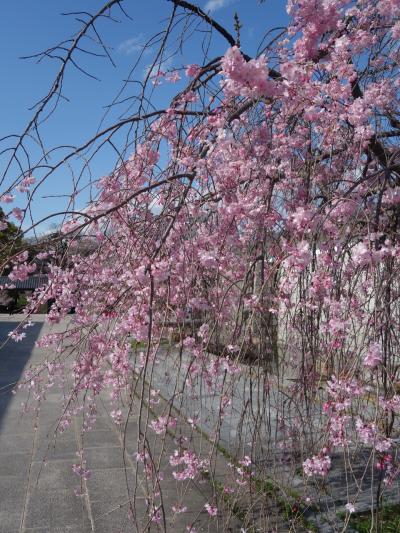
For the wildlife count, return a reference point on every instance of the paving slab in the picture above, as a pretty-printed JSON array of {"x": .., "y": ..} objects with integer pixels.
[
  {"x": 10, "y": 521},
  {"x": 56, "y": 508},
  {"x": 38, "y": 488}
]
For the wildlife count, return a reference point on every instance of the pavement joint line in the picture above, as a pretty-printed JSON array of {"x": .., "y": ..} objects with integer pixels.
[
  {"x": 22, "y": 527},
  {"x": 87, "y": 499}
]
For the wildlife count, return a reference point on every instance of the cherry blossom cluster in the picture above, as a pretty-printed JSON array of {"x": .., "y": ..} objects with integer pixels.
[{"x": 257, "y": 224}]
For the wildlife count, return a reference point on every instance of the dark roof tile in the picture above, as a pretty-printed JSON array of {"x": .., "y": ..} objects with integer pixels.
[{"x": 34, "y": 282}]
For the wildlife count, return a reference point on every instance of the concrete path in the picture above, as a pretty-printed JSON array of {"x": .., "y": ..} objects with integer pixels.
[
  {"x": 38, "y": 485},
  {"x": 250, "y": 425}
]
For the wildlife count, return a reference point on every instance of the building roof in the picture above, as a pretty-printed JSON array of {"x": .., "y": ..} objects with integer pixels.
[{"x": 31, "y": 283}]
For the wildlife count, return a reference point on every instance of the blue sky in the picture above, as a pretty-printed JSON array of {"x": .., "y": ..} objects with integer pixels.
[{"x": 29, "y": 26}]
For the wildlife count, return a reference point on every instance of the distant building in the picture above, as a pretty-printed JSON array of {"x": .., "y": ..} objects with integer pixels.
[{"x": 15, "y": 291}]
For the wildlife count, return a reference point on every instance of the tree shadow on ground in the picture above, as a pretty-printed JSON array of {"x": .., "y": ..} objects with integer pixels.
[{"x": 14, "y": 356}]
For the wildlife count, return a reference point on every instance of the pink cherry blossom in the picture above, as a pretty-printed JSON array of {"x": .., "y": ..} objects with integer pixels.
[
  {"x": 236, "y": 270},
  {"x": 374, "y": 356},
  {"x": 7, "y": 198},
  {"x": 211, "y": 509},
  {"x": 192, "y": 70},
  {"x": 317, "y": 465}
]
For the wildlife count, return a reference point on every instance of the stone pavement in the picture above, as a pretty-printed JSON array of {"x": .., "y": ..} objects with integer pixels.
[
  {"x": 38, "y": 486},
  {"x": 251, "y": 426}
]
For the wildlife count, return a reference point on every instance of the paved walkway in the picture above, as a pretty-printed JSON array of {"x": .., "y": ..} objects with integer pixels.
[
  {"x": 250, "y": 425},
  {"x": 37, "y": 483}
]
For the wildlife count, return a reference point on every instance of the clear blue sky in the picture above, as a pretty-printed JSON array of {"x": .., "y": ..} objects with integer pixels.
[{"x": 30, "y": 26}]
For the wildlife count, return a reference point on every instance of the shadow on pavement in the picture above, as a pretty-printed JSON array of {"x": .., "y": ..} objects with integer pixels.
[{"x": 14, "y": 356}]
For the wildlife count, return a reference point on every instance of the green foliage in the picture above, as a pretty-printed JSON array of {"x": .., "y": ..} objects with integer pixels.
[
  {"x": 10, "y": 240},
  {"x": 138, "y": 345},
  {"x": 386, "y": 521},
  {"x": 22, "y": 301}
]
